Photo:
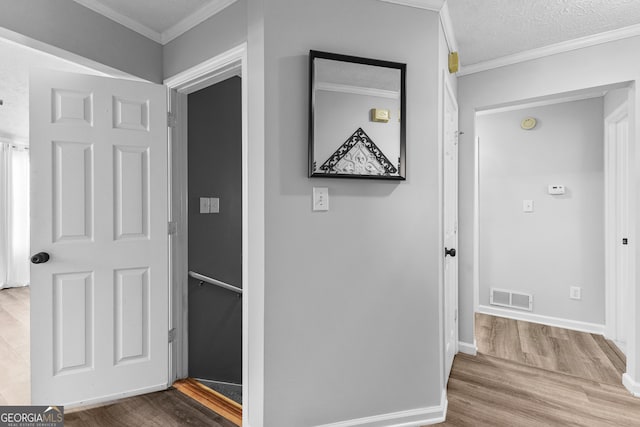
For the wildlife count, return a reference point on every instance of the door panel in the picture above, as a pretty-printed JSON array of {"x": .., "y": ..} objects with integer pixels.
[
  {"x": 72, "y": 191},
  {"x": 72, "y": 322},
  {"x": 99, "y": 306}
]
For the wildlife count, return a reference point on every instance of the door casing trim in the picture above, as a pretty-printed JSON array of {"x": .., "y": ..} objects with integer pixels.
[{"x": 221, "y": 67}]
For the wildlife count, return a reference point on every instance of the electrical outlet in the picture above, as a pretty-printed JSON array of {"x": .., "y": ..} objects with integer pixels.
[{"x": 575, "y": 292}]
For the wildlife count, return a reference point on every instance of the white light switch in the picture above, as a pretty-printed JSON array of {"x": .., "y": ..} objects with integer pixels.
[
  {"x": 205, "y": 205},
  {"x": 320, "y": 199},
  {"x": 527, "y": 206},
  {"x": 575, "y": 292},
  {"x": 214, "y": 205}
]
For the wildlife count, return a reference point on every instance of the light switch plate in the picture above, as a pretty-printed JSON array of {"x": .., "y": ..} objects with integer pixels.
[
  {"x": 205, "y": 205},
  {"x": 575, "y": 292},
  {"x": 320, "y": 199},
  {"x": 527, "y": 206},
  {"x": 214, "y": 205}
]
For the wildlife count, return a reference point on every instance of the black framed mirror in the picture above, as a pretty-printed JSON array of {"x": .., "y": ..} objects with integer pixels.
[{"x": 357, "y": 125}]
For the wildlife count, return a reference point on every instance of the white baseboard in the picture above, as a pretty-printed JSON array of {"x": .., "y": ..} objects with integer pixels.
[
  {"x": 411, "y": 418},
  {"x": 592, "y": 328},
  {"x": 631, "y": 385},
  {"x": 466, "y": 348},
  {"x": 104, "y": 400}
]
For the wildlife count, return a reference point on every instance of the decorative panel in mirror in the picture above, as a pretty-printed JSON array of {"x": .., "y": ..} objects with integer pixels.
[{"x": 356, "y": 117}]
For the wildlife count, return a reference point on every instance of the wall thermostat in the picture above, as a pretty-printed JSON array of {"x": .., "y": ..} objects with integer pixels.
[{"x": 556, "y": 189}]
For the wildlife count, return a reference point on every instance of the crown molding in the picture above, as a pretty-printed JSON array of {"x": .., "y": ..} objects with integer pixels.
[
  {"x": 579, "y": 43},
  {"x": 199, "y": 16},
  {"x": 434, "y": 5},
  {"x": 106, "y": 11},
  {"x": 190, "y": 21},
  {"x": 357, "y": 90},
  {"x": 542, "y": 102},
  {"x": 439, "y": 6},
  {"x": 447, "y": 27}
]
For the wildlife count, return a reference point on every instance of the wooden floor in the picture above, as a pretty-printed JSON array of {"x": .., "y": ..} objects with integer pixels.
[
  {"x": 575, "y": 353},
  {"x": 524, "y": 375},
  {"x": 168, "y": 408},
  {"x": 211, "y": 399},
  {"x": 15, "y": 387},
  {"x": 533, "y": 375}
]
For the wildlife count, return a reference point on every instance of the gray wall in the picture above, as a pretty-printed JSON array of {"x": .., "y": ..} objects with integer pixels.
[
  {"x": 68, "y": 25},
  {"x": 561, "y": 243},
  {"x": 215, "y": 240},
  {"x": 224, "y": 30},
  {"x": 352, "y": 312}
]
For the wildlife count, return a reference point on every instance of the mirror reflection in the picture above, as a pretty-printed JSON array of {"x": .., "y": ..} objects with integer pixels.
[{"x": 357, "y": 127}]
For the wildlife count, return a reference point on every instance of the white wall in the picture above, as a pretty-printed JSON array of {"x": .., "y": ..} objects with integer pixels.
[
  {"x": 614, "y": 99},
  {"x": 219, "y": 33},
  {"x": 67, "y": 25},
  {"x": 352, "y": 299},
  {"x": 561, "y": 243},
  {"x": 594, "y": 66}
]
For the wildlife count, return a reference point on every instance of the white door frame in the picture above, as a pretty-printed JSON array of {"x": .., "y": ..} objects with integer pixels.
[
  {"x": 230, "y": 63},
  {"x": 614, "y": 272}
]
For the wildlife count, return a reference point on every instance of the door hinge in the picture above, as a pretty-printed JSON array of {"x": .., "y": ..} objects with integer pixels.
[
  {"x": 172, "y": 334},
  {"x": 172, "y": 228},
  {"x": 455, "y": 315},
  {"x": 171, "y": 119}
]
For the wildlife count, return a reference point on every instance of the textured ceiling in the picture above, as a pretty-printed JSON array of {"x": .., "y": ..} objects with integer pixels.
[
  {"x": 158, "y": 15},
  {"x": 15, "y": 63},
  {"x": 489, "y": 29},
  {"x": 359, "y": 75}
]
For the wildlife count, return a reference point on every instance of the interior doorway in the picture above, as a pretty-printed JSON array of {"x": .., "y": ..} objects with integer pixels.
[
  {"x": 194, "y": 206},
  {"x": 214, "y": 149},
  {"x": 556, "y": 249}
]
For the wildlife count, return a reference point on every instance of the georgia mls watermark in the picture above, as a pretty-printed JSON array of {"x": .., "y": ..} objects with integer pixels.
[{"x": 31, "y": 416}]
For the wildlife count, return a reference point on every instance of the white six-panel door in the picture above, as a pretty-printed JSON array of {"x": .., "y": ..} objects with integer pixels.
[
  {"x": 450, "y": 227},
  {"x": 99, "y": 306}
]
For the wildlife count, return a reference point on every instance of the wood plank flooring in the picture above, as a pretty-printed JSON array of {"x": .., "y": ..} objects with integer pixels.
[
  {"x": 534, "y": 375},
  {"x": 211, "y": 399},
  {"x": 525, "y": 375},
  {"x": 575, "y": 353},
  {"x": 15, "y": 382},
  {"x": 488, "y": 391},
  {"x": 168, "y": 408}
]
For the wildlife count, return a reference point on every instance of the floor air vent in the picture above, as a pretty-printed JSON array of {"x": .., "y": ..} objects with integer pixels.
[{"x": 511, "y": 299}]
